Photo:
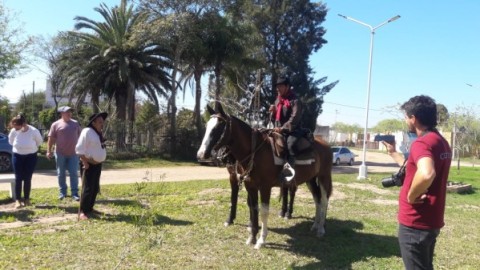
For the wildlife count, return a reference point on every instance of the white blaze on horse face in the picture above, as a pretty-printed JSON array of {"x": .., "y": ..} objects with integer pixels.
[{"x": 207, "y": 137}]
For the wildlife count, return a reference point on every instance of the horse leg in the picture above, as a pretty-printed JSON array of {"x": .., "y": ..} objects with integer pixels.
[
  {"x": 253, "y": 207},
  {"x": 234, "y": 188},
  {"x": 284, "y": 198},
  {"x": 321, "y": 203},
  {"x": 264, "y": 211},
  {"x": 292, "y": 190}
]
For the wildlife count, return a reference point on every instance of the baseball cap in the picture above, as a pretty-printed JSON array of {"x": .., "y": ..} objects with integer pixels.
[{"x": 64, "y": 109}]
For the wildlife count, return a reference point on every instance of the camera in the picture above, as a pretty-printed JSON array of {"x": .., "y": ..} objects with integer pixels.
[
  {"x": 396, "y": 179},
  {"x": 387, "y": 138}
]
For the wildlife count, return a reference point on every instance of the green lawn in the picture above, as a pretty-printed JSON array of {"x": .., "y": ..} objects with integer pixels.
[{"x": 179, "y": 225}]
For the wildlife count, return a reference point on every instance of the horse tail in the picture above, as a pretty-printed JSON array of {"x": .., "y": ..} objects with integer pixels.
[{"x": 324, "y": 177}]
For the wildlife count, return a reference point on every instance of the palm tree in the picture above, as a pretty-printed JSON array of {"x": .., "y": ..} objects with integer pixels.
[{"x": 123, "y": 60}]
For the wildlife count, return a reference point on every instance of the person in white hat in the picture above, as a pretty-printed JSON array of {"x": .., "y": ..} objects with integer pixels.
[{"x": 64, "y": 135}]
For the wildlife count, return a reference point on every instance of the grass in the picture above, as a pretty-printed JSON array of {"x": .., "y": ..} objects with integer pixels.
[{"x": 179, "y": 225}]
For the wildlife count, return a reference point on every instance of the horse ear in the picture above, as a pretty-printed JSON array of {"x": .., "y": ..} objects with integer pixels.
[
  {"x": 210, "y": 110},
  {"x": 219, "y": 108}
]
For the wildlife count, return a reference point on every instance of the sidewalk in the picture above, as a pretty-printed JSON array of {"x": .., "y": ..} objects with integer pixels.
[{"x": 48, "y": 178}]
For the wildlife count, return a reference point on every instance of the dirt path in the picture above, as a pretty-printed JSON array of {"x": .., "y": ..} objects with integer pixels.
[{"x": 376, "y": 162}]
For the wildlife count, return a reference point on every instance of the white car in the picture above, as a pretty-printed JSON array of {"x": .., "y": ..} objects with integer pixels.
[{"x": 342, "y": 154}]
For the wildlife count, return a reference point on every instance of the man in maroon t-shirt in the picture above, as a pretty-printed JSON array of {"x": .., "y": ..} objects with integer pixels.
[{"x": 422, "y": 196}]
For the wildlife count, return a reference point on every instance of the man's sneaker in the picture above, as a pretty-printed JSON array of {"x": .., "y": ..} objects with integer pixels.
[
  {"x": 61, "y": 197},
  {"x": 76, "y": 198}
]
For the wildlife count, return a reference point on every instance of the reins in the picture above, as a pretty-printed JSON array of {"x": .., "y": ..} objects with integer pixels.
[{"x": 245, "y": 176}]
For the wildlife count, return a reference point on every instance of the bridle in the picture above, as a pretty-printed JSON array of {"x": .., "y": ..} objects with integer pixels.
[{"x": 226, "y": 137}]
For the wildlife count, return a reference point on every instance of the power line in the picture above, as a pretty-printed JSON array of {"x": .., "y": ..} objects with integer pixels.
[{"x": 354, "y": 107}]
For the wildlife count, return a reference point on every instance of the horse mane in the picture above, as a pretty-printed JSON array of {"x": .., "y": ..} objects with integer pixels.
[{"x": 243, "y": 124}]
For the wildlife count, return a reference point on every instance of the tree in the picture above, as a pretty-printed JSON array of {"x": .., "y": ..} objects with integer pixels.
[
  {"x": 31, "y": 104},
  {"x": 170, "y": 24},
  {"x": 465, "y": 125},
  {"x": 389, "y": 126},
  {"x": 148, "y": 119},
  {"x": 346, "y": 128},
  {"x": 47, "y": 117},
  {"x": 12, "y": 45},
  {"x": 442, "y": 114},
  {"x": 5, "y": 114},
  {"x": 124, "y": 59},
  {"x": 54, "y": 52},
  {"x": 291, "y": 31}
]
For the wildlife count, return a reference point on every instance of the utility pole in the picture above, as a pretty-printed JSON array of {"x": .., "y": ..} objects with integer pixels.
[{"x": 33, "y": 99}]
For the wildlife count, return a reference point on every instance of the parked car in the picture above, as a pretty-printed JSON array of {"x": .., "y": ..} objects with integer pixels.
[
  {"x": 342, "y": 154},
  {"x": 5, "y": 154}
]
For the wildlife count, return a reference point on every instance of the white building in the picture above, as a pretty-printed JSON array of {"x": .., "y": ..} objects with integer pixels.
[{"x": 62, "y": 99}]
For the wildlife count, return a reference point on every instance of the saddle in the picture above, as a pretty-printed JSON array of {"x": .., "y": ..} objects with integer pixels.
[{"x": 304, "y": 147}]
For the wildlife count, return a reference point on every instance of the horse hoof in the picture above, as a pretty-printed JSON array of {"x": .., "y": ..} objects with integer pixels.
[
  {"x": 258, "y": 245},
  {"x": 250, "y": 241},
  {"x": 226, "y": 224},
  {"x": 288, "y": 216}
]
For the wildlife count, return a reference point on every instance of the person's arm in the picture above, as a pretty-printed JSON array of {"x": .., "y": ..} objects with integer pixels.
[
  {"x": 38, "y": 138},
  {"x": 295, "y": 117},
  {"x": 11, "y": 136},
  {"x": 51, "y": 141},
  {"x": 397, "y": 157},
  {"x": 81, "y": 147},
  {"x": 422, "y": 180},
  {"x": 84, "y": 161}
]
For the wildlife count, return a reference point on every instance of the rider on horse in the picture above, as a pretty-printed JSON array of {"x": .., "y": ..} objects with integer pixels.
[{"x": 287, "y": 116}]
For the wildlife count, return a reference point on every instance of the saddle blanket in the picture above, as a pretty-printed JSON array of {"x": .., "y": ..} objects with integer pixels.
[{"x": 281, "y": 161}]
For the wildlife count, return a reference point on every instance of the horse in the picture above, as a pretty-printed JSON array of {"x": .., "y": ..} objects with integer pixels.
[
  {"x": 234, "y": 172},
  {"x": 256, "y": 156}
]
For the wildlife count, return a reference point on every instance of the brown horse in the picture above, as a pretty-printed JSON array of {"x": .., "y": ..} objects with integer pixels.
[
  {"x": 256, "y": 157},
  {"x": 235, "y": 171}
]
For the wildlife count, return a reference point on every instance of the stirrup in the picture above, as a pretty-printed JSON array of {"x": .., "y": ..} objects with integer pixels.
[{"x": 288, "y": 172}]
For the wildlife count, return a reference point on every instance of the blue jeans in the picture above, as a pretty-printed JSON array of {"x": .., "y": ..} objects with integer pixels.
[
  {"x": 23, "y": 166},
  {"x": 69, "y": 163}
]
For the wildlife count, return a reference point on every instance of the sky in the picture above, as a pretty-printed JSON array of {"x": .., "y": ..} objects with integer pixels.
[{"x": 433, "y": 49}]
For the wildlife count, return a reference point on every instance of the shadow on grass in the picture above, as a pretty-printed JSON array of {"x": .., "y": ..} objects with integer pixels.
[
  {"x": 154, "y": 220},
  {"x": 342, "y": 238},
  {"x": 148, "y": 218},
  {"x": 23, "y": 215},
  {"x": 6, "y": 200}
]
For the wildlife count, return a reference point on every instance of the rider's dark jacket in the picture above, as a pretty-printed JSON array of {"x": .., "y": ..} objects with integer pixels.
[{"x": 290, "y": 113}]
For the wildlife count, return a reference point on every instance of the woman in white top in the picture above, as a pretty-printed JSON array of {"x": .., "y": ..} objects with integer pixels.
[
  {"x": 91, "y": 150},
  {"x": 25, "y": 140}
]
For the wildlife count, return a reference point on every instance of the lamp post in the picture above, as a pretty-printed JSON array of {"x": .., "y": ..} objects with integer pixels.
[{"x": 362, "y": 170}]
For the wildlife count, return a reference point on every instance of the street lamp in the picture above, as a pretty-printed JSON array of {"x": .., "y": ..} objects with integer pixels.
[{"x": 362, "y": 170}]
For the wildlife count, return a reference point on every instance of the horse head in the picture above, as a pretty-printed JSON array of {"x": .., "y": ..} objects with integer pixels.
[{"x": 215, "y": 131}]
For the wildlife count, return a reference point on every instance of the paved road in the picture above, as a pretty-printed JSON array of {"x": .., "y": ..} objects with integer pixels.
[{"x": 376, "y": 162}]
